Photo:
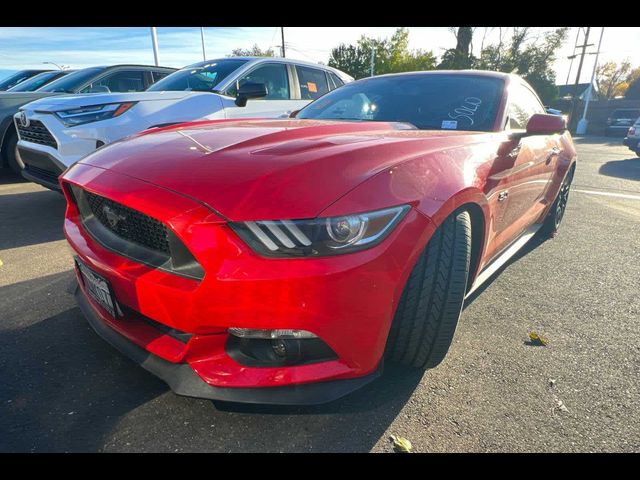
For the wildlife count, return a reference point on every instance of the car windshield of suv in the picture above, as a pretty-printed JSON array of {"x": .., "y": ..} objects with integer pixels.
[
  {"x": 72, "y": 82},
  {"x": 36, "y": 82},
  {"x": 203, "y": 77},
  {"x": 431, "y": 101},
  {"x": 15, "y": 79}
]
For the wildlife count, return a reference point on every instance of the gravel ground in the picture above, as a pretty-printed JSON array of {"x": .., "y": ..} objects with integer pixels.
[{"x": 64, "y": 389}]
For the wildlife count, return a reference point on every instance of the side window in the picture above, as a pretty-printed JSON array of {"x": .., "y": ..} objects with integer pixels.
[
  {"x": 313, "y": 82},
  {"x": 121, "y": 81},
  {"x": 273, "y": 75},
  {"x": 522, "y": 105},
  {"x": 336, "y": 80},
  {"x": 159, "y": 75}
]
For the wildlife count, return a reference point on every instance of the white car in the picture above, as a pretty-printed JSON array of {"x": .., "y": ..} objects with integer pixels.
[
  {"x": 632, "y": 140},
  {"x": 56, "y": 132}
]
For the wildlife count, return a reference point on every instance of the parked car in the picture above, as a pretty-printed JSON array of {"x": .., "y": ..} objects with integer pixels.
[
  {"x": 221, "y": 88},
  {"x": 277, "y": 260},
  {"x": 115, "y": 78},
  {"x": 18, "y": 77},
  {"x": 620, "y": 120},
  {"x": 632, "y": 140},
  {"x": 38, "y": 81}
]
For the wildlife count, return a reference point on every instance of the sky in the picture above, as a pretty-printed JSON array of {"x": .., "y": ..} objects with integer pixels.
[{"x": 78, "y": 47}]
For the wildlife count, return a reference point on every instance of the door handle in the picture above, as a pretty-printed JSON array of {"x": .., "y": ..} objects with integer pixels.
[
  {"x": 515, "y": 152},
  {"x": 552, "y": 153}
]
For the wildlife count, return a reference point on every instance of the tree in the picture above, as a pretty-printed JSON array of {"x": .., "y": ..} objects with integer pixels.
[
  {"x": 610, "y": 79},
  {"x": 633, "y": 92},
  {"x": 460, "y": 57},
  {"x": 254, "y": 51},
  {"x": 390, "y": 56},
  {"x": 528, "y": 55}
]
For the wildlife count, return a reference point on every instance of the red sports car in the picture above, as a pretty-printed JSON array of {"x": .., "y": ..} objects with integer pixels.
[{"x": 281, "y": 261}]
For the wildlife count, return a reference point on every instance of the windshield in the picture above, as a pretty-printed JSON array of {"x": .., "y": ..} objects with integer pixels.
[
  {"x": 15, "y": 79},
  {"x": 200, "y": 78},
  {"x": 36, "y": 82},
  {"x": 428, "y": 101},
  {"x": 72, "y": 82}
]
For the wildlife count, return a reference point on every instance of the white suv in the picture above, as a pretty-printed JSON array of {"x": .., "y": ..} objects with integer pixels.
[{"x": 56, "y": 132}]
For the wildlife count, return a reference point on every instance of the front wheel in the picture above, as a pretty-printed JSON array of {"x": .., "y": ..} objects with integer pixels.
[
  {"x": 11, "y": 152},
  {"x": 430, "y": 305}
]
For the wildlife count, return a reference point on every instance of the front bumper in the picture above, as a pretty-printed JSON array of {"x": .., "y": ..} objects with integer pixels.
[
  {"x": 183, "y": 381},
  {"x": 631, "y": 142},
  {"x": 40, "y": 166},
  {"x": 348, "y": 301}
]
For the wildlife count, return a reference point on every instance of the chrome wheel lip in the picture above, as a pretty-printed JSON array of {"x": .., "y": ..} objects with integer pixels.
[{"x": 563, "y": 198}]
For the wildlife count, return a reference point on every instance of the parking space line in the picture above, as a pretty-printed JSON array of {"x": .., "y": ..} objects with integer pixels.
[{"x": 608, "y": 194}]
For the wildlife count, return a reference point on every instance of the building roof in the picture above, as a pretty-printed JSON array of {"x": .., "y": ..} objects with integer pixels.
[{"x": 567, "y": 90}]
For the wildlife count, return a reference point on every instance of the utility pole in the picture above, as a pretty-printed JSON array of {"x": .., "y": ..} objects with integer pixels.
[
  {"x": 584, "y": 123},
  {"x": 373, "y": 58},
  {"x": 573, "y": 56},
  {"x": 204, "y": 53},
  {"x": 282, "y": 34},
  {"x": 584, "y": 46},
  {"x": 154, "y": 41}
]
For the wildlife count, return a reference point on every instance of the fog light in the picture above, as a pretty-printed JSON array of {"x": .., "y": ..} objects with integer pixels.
[
  {"x": 270, "y": 334},
  {"x": 279, "y": 348}
]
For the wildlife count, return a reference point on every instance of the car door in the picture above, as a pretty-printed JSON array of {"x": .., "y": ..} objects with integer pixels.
[
  {"x": 531, "y": 162},
  {"x": 279, "y": 101}
]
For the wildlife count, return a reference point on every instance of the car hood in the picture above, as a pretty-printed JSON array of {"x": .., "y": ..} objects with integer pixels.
[
  {"x": 83, "y": 99},
  {"x": 268, "y": 169}
]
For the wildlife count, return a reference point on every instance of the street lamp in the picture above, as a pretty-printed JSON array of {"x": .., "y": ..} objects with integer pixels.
[{"x": 53, "y": 63}]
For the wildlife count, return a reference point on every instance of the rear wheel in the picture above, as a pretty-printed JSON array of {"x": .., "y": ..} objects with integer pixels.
[
  {"x": 430, "y": 305},
  {"x": 10, "y": 152},
  {"x": 556, "y": 213}
]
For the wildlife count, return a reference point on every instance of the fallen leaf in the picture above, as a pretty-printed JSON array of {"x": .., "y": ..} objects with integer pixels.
[
  {"x": 537, "y": 339},
  {"x": 561, "y": 406},
  {"x": 401, "y": 444}
]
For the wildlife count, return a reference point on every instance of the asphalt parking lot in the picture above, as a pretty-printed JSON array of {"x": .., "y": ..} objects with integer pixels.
[{"x": 62, "y": 388}]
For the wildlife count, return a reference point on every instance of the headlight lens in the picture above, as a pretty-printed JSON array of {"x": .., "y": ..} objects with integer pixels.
[
  {"x": 320, "y": 236},
  {"x": 92, "y": 113}
]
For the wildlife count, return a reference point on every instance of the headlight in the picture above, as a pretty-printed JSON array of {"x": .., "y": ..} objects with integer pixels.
[
  {"x": 320, "y": 236},
  {"x": 92, "y": 113}
]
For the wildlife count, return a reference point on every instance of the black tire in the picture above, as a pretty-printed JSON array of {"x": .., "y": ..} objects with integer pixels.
[
  {"x": 430, "y": 305},
  {"x": 557, "y": 210},
  {"x": 9, "y": 151}
]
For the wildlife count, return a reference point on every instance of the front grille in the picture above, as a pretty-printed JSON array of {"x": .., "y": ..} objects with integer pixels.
[
  {"x": 36, "y": 132},
  {"x": 130, "y": 224},
  {"x": 43, "y": 174},
  {"x": 133, "y": 234}
]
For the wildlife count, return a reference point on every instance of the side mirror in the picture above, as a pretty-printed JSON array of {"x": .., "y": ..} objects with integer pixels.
[
  {"x": 545, "y": 124},
  {"x": 250, "y": 90},
  {"x": 293, "y": 114}
]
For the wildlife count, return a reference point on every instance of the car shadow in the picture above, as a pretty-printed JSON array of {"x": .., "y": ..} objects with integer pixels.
[
  {"x": 7, "y": 177},
  {"x": 628, "y": 169},
  {"x": 538, "y": 239},
  {"x": 65, "y": 389},
  {"x": 31, "y": 218}
]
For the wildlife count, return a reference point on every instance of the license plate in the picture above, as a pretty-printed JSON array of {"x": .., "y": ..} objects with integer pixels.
[{"x": 99, "y": 289}]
